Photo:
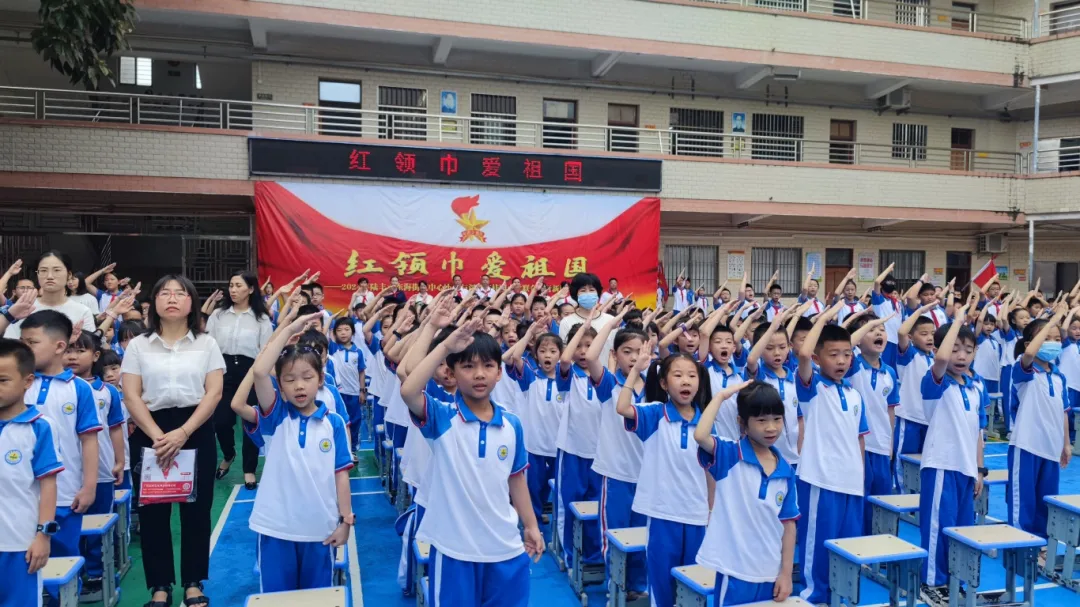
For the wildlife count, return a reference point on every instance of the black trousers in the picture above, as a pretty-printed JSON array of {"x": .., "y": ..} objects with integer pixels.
[
  {"x": 155, "y": 520},
  {"x": 236, "y": 367}
]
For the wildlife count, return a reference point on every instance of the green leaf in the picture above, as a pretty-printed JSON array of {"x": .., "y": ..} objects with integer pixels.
[{"x": 77, "y": 37}]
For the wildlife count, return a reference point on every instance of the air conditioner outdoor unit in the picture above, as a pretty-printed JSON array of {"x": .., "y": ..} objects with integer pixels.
[
  {"x": 899, "y": 99},
  {"x": 993, "y": 243}
]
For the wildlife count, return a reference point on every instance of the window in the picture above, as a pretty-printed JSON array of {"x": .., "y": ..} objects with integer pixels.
[
  {"x": 781, "y": 5},
  {"x": 622, "y": 140},
  {"x": 909, "y": 141},
  {"x": 558, "y": 115},
  {"x": 1063, "y": 17},
  {"x": 1069, "y": 155},
  {"x": 402, "y": 113},
  {"x": 1055, "y": 275},
  {"x": 777, "y": 137},
  {"x": 764, "y": 262},
  {"x": 344, "y": 95},
  {"x": 847, "y": 8},
  {"x": 699, "y": 261},
  {"x": 913, "y": 12},
  {"x": 137, "y": 71},
  {"x": 962, "y": 16},
  {"x": 910, "y": 265},
  {"x": 493, "y": 119},
  {"x": 697, "y": 132},
  {"x": 842, "y": 142}
]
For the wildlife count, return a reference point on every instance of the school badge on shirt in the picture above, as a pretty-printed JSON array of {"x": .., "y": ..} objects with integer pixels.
[
  {"x": 325, "y": 445},
  {"x": 101, "y": 404},
  {"x": 779, "y": 498},
  {"x": 13, "y": 457},
  {"x": 68, "y": 408},
  {"x": 503, "y": 452}
]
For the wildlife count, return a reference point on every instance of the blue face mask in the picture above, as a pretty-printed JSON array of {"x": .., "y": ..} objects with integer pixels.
[
  {"x": 1049, "y": 351},
  {"x": 588, "y": 300}
]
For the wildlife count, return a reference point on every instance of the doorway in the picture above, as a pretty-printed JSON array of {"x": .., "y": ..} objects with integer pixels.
[
  {"x": 963, "y": 142},
  {"x": 842, "y": 142},
  {"x": 838, "y": 262},
  {"x": 958, "y": 266}
]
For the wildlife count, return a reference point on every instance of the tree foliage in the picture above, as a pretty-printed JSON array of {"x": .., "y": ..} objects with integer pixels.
[{"x": 77, "y": 37}]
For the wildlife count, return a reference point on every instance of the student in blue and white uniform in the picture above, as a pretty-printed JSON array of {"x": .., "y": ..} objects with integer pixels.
[
  {"x": 350, "y": 370},
  {"x": 952, "y": 457},
  {"x": 721, "y": 354},
  {"x": 809, "y": 293},
  {"x": 1017, "y": 319},
  {"x": 681, "y": 296},
  {"x": 108, "y": 369},
  {"x": 27, "y": 481},
  {"x": 767, "y": 363},
  {"x": 303, "y": 510},
  {"x": 476, "y": 476},
  {"x": 1039, "y": 447},
  {"x": 988, "y": 350},
  {"x": 751, "y": 545},
  {"x": 915, "y": 356},
  {"x": 879, "y": 388},
  {"x": 774, "y": 307},
  {"x": 886, "y": 304},
  {"x": 672, "y": 491},
  {"x": 831, "y": 462},
  {"x": 928, "y": 303},
  {"x": 1069, "y": 365},
  {"x": 111, "y": 284},
  {"x": 848, "y": 292}
]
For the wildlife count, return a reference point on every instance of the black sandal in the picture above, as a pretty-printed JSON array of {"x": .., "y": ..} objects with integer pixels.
[
  {"x": 168, "y": 597},
  {"x": 195, "y": 600},
  {"x": 222, "y": 472}
]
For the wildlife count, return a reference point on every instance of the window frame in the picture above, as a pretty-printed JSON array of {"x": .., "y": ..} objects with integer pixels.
[
  {"x": 908, "y": 276},
  {"x": 764, "y": 261}
]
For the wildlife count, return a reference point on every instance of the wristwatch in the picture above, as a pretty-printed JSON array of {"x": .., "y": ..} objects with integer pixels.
[
  {"x": 349, "y": 520},
  {"x": 7, "y": 314},
  {"x": 984, "y": 472},
  {"x": 50, "y": 528}
]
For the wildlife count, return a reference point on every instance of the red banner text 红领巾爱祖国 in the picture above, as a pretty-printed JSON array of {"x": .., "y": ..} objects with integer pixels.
[{"x": 348, "y": 232}]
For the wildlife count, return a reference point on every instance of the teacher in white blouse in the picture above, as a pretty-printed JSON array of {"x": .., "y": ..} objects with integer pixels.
[
  {"x": 241, "y": 326},
  {"x": 172, "y": 378}
]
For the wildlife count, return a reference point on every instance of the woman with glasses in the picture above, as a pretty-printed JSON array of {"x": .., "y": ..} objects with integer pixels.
[
  {"x": 53, "y": 271},
  {"x": 172, "y": 379}
]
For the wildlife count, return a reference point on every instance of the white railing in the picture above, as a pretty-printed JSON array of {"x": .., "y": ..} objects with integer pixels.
[
  {"x": 1061, "y": 21},
  {"x": 903, "y": 12},
  {"x": 1059, "y": 160},
  {"x": 489, "y": 129}
]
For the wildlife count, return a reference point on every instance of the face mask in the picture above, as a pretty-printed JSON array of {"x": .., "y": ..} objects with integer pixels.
[
  {"x": 1049, "y": 351},
  {"x": 587, "y": 300}
]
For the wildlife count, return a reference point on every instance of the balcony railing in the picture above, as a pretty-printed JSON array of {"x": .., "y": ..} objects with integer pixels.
[
  {"x": 491, "y": 130},
  {"x": 1062, "y": 21},
  {"x": 1059, "y": 160},
  {"x": 918, "y": 13}
]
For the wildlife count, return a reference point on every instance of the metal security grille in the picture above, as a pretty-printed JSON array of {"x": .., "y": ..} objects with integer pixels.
[
  {"x": 697, "y": 132},
  {"x": 1069, "y": 155},
  {"x": 909, "y": 141},
  {"x": 345, "y": 95},
  {"x": 210, "y": 262},
  {"x": 787, "y": 132},
  {"x": 913, "y": 12},
  {"x": 763, "y": 262},
  {"x": 21, "y": 247},
  {"x": 402, "y": 101},
  {"x": 493, "y": 120},
  {"x": 700, "y": 263},
  {"x": 782, "y": 5},
  {"x": 910, "y": 265}
]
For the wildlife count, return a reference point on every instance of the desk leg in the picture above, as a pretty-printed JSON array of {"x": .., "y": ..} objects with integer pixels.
[
  {"x": 577, "y": 570},
  {"x": 964, "y": 566},
  {"x": 1022, "y": 561},
  {"x": 982, "y": 505},
  {"x": 617, "y": 583},
  {"x": 123, "y": 535},
  {"x": 1076, "y": 443},
  {"x": 844, "y": 577},
  {"x": 108, "y": 578},
  {"x": 685, "y": 597},
  {"x": 884, "y": 521}
]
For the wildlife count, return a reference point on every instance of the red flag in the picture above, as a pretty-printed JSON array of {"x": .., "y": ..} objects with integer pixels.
[
  {"x": 983, "y": 277},
  {"x": 661, "y": 283}
]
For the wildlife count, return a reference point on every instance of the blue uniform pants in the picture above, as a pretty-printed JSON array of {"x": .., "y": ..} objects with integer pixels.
[
  {"x": 578, "y": 483},
  {"x": 908, "y": 437},
  {"x": 103, "y": 504},
  {"x": 733, "y": 591},
  {"x": 947, "y": 499},
  {"x": 18, "y": 587},
  {"x": 397, "y": 434},
  {"x": 454, "y": 583},
  {"x": 1005, "y": 385},
  {"x": 66, "y": 540},
  {"x": 378, "y": 416},
  {"x": 616, "y": 497},
  {"x": 285, "y": 565},
  {"x": 356, "y": 417},
  {"x": 669, "y": 544},
  {"x": 826, "y": 515},
  {"x": 541, "y": 470},
  {"x": 1031, "y": 478},
  {"x": 878, "y": 480},
  {"x": 1074, "y": 402},
  {"x": 126, "y": 483}
]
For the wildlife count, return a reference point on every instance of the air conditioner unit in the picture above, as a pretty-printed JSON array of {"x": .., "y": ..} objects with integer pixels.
[
  {"x": 899, "y": 99},
  {"x": 993, "y": 243}
]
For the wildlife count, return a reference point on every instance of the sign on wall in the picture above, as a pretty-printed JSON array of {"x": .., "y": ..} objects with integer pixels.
[
  {"x": 867, "y": 266},
  {"x": 448, "y": 102},
  {"x": 813, "y": 260},
  {"x": 736, "y": 265}
]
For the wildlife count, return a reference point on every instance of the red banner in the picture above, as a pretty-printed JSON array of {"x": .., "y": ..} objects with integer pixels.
[{"x": 351, "y": 231}]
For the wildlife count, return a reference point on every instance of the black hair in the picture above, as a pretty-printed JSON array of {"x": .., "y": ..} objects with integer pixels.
[
  {"x": 441, "y": 336},
  {"x": 991, "y": 318},
  {"x": 153, "y": 323},
  {"x": 966, "y": 335},
  {"x": 24, "y": 356},
  {"x": 721, "y": 328},
  {"x": 888, "y": 284},
  {"x": 108, "y": 358},
  {"x": 655, "y": 392},
  {"x": 589, "y": 331},
  {"x": 316, "y": 339},
  {"x": 652, "y": 327},
  {"x": 851, "y": 281},
  {"x": 566, "y": 304},
  {"x": 483, "y": 348},
  {"x": 359, "y": 306},
  {"x": 537, "y": 299},
  {"x": 311, "y": 286},
  {"x": 1030, "y": 332},
  {"x": 627, "y": 334},
  {"x": 305, "y": 295},
  {"x": 361, "y": 280},
  {"x": 521, "y": 329},
  {"x": 493, "y": 312},
  {"x": 255, "y": 299},
  {"x": 517, "y": 296},
  {"x": 553, "y": 338},
  {"x": 51, "y": 322},
  {"x": 758, "y": 400},
  {"x": 634, "y": 317},
  {"x": 344, "y": 322},
  {"x": 421, "y": 282},
  {"x": 832, "y": 333},
  {"x": 129, "y": 329},
  {"x": 861, "y": 321},
  {"x": 776, "y": 286},
  {"x": 300, "y": 352},
  {"x": 803, "y": 324},
  {"x": 306, "y": 309},
  {"x": 920, "y": 321},
  {"x": 927, "y": 287},
  {"x": 760, "y": 330},
  {"x": 726, "y": 289},
  {"x": 80, "y": 286},
  {"x": 85, "y": 341},
  {"x": 582, "y": 280},
  {"x": 1012, "y": 317}
]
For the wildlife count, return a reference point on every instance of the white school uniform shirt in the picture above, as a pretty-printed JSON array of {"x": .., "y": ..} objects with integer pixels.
[
  {"x": 469, "y": 479},
  {"x": 618, "y": 452},
  {"x": 416, "y": 454},
  {"x": 849, "y": 308},
  {"x": 835, "y": 418},
  {"x": 348, "y": 363},
  {"x": 485, "y": 292},
  {"x": 297, "y": 499},
  {"x": 421, "y": 298},
  {"x": 30, "y": 454},
  {"x": 680, "y": 299},
  {"x": 607, "y": 295},
  {"x": 884, "y": 306},
  {"x": 788, "y": 442},
  {"x": 67, "y": 402},
  {"x": 110, "y": 415},
  {"x": 772, "y": 310},
  {"x": 745, "y": 542},
  {"x": 1008, "y": 350},
  {"x": 671, "y": 485},
  {"x": 726, "y": 425},
  {"x": 75, "y": 311},
  {"x": 1043, "y": 398},
  {"x": 938, "y": 316},
  {"x": 507, "y": 392},
  {"x": 377, "y": 368},
  {"x": 912, "y": 364},
  {"x": 955, "y": 412},
  {"x": 748, "y": 307},
  {"x": 816, "y": 306},
  {"x": 880, "y": 390},
  {"x": 397, "y": 412},
  {"x": 580, "y": 426},
  {"x": 239, "y": 333},
  {"x": 172, "y": 376},
  {"x": 573, "y": 320},
  {"x": 361, "y": 298},
  {"x": 542, "y": 411},
  {"x": 105, "y": 298},
  {"x": 1069, "y": 364},
  {"x": 994, "y": 308},
  {"x": 988, "y": 353},
  {"x": 89, "y": 301}
]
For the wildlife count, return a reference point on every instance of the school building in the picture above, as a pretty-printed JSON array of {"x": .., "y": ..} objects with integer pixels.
[{"x": 929, "y": 133}]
